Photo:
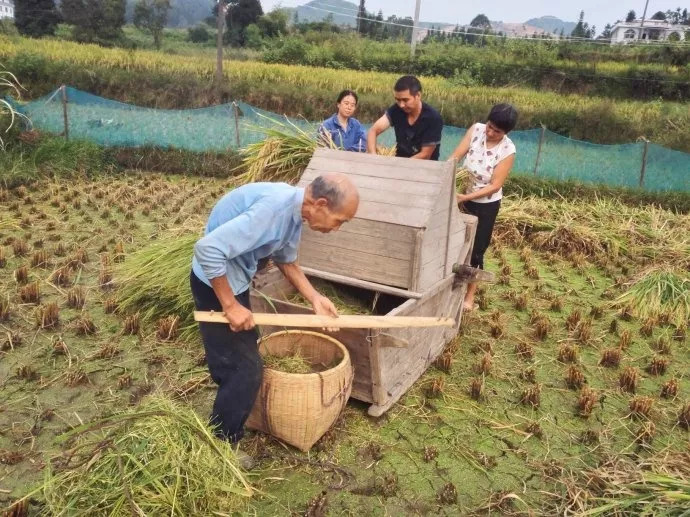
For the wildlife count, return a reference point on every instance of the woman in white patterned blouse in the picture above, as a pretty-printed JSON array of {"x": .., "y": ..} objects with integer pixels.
[{"x": 489, "y": 156}]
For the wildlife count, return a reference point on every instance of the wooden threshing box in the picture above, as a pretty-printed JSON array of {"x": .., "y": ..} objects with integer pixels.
[{"x": 397, "y": 254}]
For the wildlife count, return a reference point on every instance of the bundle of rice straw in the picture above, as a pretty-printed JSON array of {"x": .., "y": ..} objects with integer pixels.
[
  {"x": 284, "y": 152},
  {"x": 154, "y": 282},
  {"x": 156, "y": 459},
  {"x": 659, "y": 293}
]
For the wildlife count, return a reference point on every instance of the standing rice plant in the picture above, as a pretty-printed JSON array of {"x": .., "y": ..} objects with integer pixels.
[
  {"x": 156, "y": 459},
  {"x": 657, "y": 293},
  {"x": 154, "y": 282}
]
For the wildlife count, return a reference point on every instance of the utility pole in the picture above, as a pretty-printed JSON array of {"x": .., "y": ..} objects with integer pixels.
[
  {"x": 644, "y": 15},
  {"x": 415, "y": 29},
  {"x": 220, "y": 23}
]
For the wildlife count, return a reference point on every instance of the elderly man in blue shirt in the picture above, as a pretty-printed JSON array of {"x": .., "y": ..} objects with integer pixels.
[
  {"x": 251, "y": 223},
  {"x": 342, "y": 128}
]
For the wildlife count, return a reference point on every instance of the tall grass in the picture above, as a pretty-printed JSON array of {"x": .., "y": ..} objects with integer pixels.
[{"x": 52, "y": 157}]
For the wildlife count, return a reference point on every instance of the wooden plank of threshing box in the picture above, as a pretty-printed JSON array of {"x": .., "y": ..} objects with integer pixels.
[
  {"x": 395, "y": 370},
  {"x": 368, "y": 250}
]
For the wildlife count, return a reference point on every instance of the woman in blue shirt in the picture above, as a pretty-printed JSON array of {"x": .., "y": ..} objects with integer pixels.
[{"x": 346, "y": 131}]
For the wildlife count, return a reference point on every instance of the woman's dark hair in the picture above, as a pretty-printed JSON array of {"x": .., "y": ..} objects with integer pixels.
[
  {"x": 408, "y": 82},
  {"x": 504, "y": 117},
  {"x": 345, "y": 93}
]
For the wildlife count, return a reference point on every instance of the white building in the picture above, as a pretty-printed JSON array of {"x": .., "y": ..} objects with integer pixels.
[
  {"x": 6, "y": 9},
  {"x": 651, "y": 30}
]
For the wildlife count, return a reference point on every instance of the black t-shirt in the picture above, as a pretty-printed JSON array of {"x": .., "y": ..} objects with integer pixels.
[{"x": 425, "y": 131}]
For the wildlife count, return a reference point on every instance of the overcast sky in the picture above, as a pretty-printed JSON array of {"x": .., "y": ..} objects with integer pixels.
[{"x": 597, "y": 12}]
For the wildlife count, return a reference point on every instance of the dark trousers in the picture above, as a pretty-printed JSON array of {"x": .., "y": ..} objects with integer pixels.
[
  {"x": 486, "y": 214},
  {"x": 234, "y": 362}
]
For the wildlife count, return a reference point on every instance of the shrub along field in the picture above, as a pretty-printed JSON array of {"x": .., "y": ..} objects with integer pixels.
[
  {"x": 562, "y": 393},
  {"x": 170, "y": 81}
]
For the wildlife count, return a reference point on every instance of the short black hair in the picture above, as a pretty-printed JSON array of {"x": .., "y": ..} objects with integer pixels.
[
  {"x": 408, "y": 82},
  {"x": 504, "y": 117},
  {"x": 345, "y": 93}
]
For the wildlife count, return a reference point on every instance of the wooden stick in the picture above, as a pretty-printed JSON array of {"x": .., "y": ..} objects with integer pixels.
[{"x": 342, "y": 322}]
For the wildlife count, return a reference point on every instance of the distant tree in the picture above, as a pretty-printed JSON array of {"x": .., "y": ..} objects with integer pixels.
[
  {"x": 253, "y": 37},
  {"x": 198, "y": 34},
  {"x": 631, "y": 16},
  {"x": 685, "y": 18},
  {"x": 295, "y": 18},
  {"x": 97, "y": 21},
  {"x": 659, "y": 15},
  {"x": 361, "y": 18},
  {"x": 675, "y": 17},
  {"x": 152, "y": 15},
  {"x": 582, "y": 29},
  {"x": 607, "y": 32},
  {"x": 273, "y": 23},
  {"x": 241, "y": 14},
  {"x": 481, "y": 21},
  {"x": 36, "y": 18}
]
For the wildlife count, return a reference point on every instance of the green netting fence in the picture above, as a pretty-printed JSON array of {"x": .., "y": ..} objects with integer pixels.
[{"x": 540, "y": 152}]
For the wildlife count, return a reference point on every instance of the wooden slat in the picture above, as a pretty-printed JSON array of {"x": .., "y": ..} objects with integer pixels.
[
  {"x": 414, "y": 217},
  {"x": 415, "y": 264},
  {"x": 387, "y": 170},
  {"x": 451, "y": 202},
  {"x": 383, "y": 195},
  {"x": 376, "y": 160},
  {"x": 344, "y": 240},
  {"x": 379, "y": 230},
  {"x": 355, "y": 282},
  {"x": 387, "y": 184},
  {"x": 357, "y": 264}
]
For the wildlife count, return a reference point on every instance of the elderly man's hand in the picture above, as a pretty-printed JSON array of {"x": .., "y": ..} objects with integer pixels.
[
  {"x": 324, "y": 307},
  {"x": 239, "y": 316}
]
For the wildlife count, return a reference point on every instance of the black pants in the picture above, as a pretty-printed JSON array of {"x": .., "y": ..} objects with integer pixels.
[
  {"x": 234, "y": 362},
  {"x": 486, "y": 214}
]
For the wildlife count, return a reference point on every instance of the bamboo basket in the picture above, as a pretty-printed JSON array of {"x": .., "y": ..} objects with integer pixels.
[{"x": 299, "y": 408}]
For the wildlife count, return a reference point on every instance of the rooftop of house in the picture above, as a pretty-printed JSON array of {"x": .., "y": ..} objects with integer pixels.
[{"x": 648, "y": 24}]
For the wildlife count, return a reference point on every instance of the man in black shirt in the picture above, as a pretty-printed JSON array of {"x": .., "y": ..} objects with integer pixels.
[{"x": 417, "y": 125}]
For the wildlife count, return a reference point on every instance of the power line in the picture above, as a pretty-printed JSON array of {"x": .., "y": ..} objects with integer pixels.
[{"x": 569, "y": 39}]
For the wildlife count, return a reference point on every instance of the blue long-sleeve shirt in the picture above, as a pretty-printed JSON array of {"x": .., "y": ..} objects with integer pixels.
[
  {"x": 354, "y": 138},
  {"x": 247, "y": 224}
]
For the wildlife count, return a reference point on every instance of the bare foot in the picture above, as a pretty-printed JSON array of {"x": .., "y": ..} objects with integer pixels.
[{"x": 470, "y": 306}]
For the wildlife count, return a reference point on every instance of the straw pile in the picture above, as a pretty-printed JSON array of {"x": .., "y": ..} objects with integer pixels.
[
  {"x": 156, "y": 459},
  {"x": 295, "y": 362},
  {"x": 601, "y": 230},
  {"x": 659, "y": 293},
  {"x": 346, "y": 303},
  {"x": 656, "y": 486}
]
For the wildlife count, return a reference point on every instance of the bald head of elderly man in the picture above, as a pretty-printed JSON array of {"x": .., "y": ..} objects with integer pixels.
[{"x": 248, "y": 224}]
